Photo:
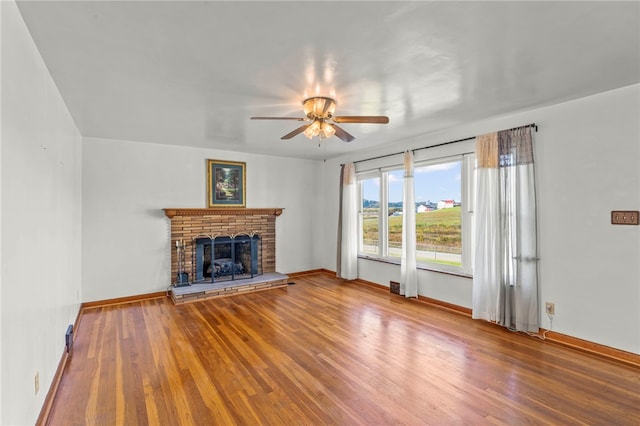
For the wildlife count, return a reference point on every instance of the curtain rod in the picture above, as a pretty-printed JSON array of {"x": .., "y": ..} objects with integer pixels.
[{"x": 534, "y": 125}]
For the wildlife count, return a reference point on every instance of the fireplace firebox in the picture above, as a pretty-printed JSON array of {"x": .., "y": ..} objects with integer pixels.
[{"x": 226, "y": 258}]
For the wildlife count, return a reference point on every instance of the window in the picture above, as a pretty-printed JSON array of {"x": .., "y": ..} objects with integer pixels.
[
  {"x": 369, "y": 216},
  {"x": 443, "y": 213},
  {"x": 438, "y": 193}
]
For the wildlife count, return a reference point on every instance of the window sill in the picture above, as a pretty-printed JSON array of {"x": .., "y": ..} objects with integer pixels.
[{"x": 421, "y": 266}]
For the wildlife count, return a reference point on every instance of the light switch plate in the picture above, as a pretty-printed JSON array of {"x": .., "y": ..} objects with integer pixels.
[{"x": 624, "y": 217}]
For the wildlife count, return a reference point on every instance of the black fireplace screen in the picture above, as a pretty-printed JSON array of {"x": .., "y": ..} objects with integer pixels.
[{"x": 227, "y": 258}]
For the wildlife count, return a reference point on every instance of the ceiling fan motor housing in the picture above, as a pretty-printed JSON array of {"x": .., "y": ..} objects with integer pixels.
[{"x": 319, "y": 107}]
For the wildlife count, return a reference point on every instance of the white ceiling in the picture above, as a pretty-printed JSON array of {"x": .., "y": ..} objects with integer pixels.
[{"x": 192, "y": 73}]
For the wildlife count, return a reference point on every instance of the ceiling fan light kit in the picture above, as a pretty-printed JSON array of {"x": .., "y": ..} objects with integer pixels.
[
  {"x": 319, "y": 128},
  {"x": 320, "y": 110}
]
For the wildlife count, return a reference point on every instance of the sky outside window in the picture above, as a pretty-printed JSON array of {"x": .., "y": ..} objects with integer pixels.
[{"x": 432, "y": 183}]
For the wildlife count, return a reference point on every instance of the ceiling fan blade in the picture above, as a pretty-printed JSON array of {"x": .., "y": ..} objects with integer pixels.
[
  {"x": 296, "y": 132},
  {"x": 278, "y": 118},
  {"x": 342, "y": 134},
  {"x": 379, "y": 119}
]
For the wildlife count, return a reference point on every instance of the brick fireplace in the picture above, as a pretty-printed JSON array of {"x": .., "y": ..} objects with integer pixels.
[{"x": 190, "y": 227}]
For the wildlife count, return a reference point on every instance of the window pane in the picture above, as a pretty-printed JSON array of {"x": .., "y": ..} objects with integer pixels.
[
  {"x": 369, "y": 216},
  {"x": 394, "y": 233},
  {"x": 439, "y": 213}
]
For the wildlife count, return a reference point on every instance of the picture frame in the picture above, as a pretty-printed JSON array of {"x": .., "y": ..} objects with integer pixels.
[{"x": 226, "y": 183}]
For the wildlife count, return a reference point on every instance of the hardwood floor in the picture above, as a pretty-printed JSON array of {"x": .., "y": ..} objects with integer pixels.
[{"x": 326, "y": 352}]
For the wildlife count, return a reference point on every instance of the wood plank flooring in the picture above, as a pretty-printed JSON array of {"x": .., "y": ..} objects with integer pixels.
[{"x": 325, "y": 352}]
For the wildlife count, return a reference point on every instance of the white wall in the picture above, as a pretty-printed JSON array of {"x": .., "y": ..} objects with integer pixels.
[
  {"x": 40, "y": 214},
  {"x": 587, "y": 157},
  {"x": 125, "y": 238}
]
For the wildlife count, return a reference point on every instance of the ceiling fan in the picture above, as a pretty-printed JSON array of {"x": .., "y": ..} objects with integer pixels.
[{"x": 319, "y": 111}]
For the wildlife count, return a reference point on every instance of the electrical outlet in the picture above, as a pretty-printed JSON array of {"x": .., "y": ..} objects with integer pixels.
[
  {"x": 550, "y": 308},
  {"x": 36, "y": 382},
  {"x": 624, "y": 217}
]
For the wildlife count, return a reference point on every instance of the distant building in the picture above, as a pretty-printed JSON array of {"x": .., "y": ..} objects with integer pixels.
[
  {"x": 427, "y": 206},
  {"x": 445, "y": 204}
]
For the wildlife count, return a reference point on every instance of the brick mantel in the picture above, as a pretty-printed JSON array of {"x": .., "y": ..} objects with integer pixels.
[{"x": 171, "y": 212}]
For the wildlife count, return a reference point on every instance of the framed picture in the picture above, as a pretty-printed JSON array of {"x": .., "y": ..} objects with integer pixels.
[{"x": 226, "y": 183}]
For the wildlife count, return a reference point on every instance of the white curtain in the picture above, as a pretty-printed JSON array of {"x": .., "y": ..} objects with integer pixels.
[
  {"x": 408, "y": 271},
  {"x": 505, "y": 277},
  {"x": 347, "y": 267}
]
